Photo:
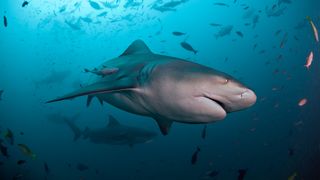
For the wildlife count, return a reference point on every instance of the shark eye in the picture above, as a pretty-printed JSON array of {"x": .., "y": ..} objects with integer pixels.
[{"x": 226, "y": 81}]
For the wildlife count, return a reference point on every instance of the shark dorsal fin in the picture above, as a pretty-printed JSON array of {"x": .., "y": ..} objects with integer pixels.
[
  {"x": 112, "y": 122},
  {"x": 137, "y": 47}
]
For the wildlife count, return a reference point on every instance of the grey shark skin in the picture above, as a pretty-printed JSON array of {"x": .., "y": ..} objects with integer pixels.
[
  {"x": 114, "y": 134},
  {"x": 167, "y": 89}
]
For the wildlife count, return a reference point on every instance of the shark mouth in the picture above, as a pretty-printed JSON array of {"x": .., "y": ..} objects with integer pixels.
[{"x": 221, "y": 104}]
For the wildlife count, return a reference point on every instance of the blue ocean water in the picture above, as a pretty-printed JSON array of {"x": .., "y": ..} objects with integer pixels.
[{"x": 46, "y": 45}]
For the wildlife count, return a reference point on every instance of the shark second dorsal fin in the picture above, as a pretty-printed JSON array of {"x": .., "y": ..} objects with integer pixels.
[
  {"x": 137, "y": 47},
  {"x": 112, "y": 122}
]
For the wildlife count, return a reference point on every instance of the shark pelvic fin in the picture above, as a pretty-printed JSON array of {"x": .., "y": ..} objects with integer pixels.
[
  {"x": 136, "y": 47},
  {"x": 164, "y": 125}
]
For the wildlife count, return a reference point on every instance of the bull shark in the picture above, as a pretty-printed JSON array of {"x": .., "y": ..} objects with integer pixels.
[
  {"x": 168, "y": 89},
  {"x": 114, "y": 133}
]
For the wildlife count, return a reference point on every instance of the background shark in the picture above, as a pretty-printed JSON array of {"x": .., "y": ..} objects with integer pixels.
[
  {"x": 114, "y": 133},
  {"x": 166, "y": 88}
]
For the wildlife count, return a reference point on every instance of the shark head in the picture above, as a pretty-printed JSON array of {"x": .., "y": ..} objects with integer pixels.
[{"x": 227, "y": 93}]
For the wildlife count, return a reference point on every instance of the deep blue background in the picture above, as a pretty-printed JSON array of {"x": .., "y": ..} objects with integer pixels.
[{"x": 38, "y": 41}]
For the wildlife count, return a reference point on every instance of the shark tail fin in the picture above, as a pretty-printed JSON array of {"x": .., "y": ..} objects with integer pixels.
[{"x": 75, "y": 129}]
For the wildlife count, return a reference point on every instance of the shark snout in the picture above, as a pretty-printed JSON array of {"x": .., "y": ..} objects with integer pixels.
[{"x": 248, "y": 97}]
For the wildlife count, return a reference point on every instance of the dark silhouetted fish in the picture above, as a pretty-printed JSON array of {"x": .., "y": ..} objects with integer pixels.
[
  {"x": 25, "y": 3},
  {"x": 212, "y": 173},
  {"x": 94, "y": 5},
  {"x": 1, "y": 93},
  {"x": 255, "y": 21},
  {"x": 82, "y": 167},
  {"x": 46, "y": 168},
  {"x": 26, "y": 151},
  {"x": 176, "y": 33},
  {"x": 112, "y": 4},
  {"x": 53, "y": 77},
  {"x": 275, "y": 11},
  {"x": 4, "y": 150},
  {"x": 224, "y": 31},
  {"x": 102, "y": 14},
  {"x": 194, "y": 157},
  {"x": 188, "y": 47},
  {"x": 239, "y": 34},
  {"x": 278, "y": 32},
  {"x": 17, "y": 176},
  {"x": 74, "y": 26},
  {"x": 5, "y": 21},
  {"x": 8, "y": 135},
  {"x": 204, "y": 132},
  {"x": 215, "y": 25},
  {"x": 132, "y": 3},
  {"x": 284, "y": 2},
  {"x": 20, "y": 162},
  {"x": 221, "y": 4},
  {"x": 291, "y": 152},
  {"x": 169, "y": 6},
  {"x": 242, "y": 173}
]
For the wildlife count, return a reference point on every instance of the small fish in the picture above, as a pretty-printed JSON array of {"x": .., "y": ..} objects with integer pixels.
[
  {"x": 82, "y": 167},
  {"x": 309, "y": 60},
  {"x": 20, "y": 162},
  {"x": 188, "y": 47},
  {"x": 293, "y": 176},
  {"x": 4, "y": 150},
  {"x": 26, "y": 151},
  {"x": 46, "y": 168},
  {"x": 278, "y": 32},
  {"x": 284, "y": 40},
  {"x": 290, "y": 152},
  {"x": 176, "y": 33},
  {"x": 242, "y": 173},
  {"x": 94, "y": 5},
  {"x": 239, "y": 34},
  {"x": 315, "y": 30},
  {"x": 9, "y": 136},
  {"x": 17, "y": 176},
  {"x": 215, "y": 25},
  {"x": 102, "y": 14},
  {"x": 303, "y": 102},
  {"x": 204, "y": 132},
  {"x": 25, "y": 3},
  {"x": 5, "y": 21},
  {"x": 194, "y": 157},
  {"x": 221, "y": 4},
  {"x": 102, "y": 72},
  {"x": 212, "y": 173},
  {"x": 1, "y": 92}
]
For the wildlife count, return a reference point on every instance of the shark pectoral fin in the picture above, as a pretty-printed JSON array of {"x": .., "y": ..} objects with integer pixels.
[
  {"x": 164, "y": 124},
  {"x": 99, "y": 88}
]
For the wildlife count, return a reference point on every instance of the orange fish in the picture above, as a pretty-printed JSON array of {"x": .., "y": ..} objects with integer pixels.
[
  {"x": 315, "y": 31},
  {"x": 302, "y": 102},
  {"x": 309, "y": 60}
]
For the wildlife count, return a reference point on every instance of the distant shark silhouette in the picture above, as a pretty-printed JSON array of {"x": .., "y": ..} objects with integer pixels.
[
  {"x": 114, "y": 133},
  {"x": 165, "y": 88}
]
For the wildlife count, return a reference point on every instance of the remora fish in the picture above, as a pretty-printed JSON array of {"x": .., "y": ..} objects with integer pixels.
[{"x": 167, "y": 89}]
